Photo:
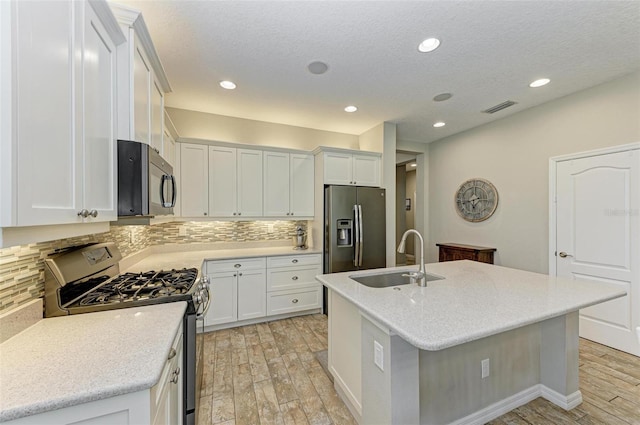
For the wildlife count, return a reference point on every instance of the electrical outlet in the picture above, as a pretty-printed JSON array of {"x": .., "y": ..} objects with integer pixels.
[
  {"x": 182, "y": 230},
  {"x": 485, "y": 368},
  {"x": 378, "y": 355}
]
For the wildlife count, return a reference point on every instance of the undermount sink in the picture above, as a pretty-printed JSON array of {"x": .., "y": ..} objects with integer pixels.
[{"x": 384, "y": 280}]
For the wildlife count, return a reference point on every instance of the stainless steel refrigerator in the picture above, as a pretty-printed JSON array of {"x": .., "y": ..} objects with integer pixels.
[
  {"x": 354, "y": 226},
  {"x": 355, "y": 236}
]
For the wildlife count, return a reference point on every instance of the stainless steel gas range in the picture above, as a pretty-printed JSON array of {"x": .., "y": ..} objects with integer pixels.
[{"x": 87, "y": 279}]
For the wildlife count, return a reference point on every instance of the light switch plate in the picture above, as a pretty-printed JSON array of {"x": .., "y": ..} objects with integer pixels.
[{"x": 378, "y": 355}]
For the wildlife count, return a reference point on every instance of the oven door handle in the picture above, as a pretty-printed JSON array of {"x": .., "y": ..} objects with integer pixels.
[{"x": 206, "y": 308}]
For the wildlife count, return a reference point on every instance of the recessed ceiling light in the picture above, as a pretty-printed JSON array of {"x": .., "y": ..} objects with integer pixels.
[
  {"x": 350, "y": 108},
  {"x": 429, "y": 45},
  {"x": 439, "y": 124},
  {"x": 442, "y": 97},
  {"x": 539, "y": 83},
  {"x": 229, "y": 85},
  {"x": 317, "y": 67}
]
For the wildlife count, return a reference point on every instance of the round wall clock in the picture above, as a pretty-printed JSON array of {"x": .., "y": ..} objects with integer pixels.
[{"x": 476, "y": 200}]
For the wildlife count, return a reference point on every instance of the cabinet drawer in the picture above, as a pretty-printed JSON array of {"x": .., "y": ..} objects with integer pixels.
[
  {"x": 290, "y": 301},
  {"x": 168, "y": 372},
  {"x": 294, "y": 260},
  {"x": 236, "y": 264},
  {"x": 292, "y": 277}
]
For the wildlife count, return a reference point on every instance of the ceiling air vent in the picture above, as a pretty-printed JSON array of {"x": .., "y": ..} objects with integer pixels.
[{"x": 499, "y": 107}]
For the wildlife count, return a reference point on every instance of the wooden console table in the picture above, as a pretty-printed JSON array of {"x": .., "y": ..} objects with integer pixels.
[{"x": 456, "y": 251}]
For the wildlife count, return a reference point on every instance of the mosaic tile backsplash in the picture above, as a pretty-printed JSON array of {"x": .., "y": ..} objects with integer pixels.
[{"x": 22, "y": 267}]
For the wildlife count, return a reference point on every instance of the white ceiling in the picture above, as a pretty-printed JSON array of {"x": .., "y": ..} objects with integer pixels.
[{"x": 490, "y": 52}]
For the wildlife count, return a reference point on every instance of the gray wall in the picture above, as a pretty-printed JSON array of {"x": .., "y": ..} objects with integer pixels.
[{"x": 513, "y": 153}]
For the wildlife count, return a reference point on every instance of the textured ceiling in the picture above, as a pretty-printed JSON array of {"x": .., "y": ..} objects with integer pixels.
[{"x": 490, "y": 51}]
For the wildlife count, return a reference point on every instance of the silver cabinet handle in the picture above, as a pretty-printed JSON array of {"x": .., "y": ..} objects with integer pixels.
[
  {"x": 172, "y": 354},
  {"x": 564, "y": 255},
  {"x": 294, "y": 278},
  {"x": 83, "y": 213},
  {"x": 295, "y": 300},
  {"x": 176, "y": 374},
  {"x": 93, "y": 213}
]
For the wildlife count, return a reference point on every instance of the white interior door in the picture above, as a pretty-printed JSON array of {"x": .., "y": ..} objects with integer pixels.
[{"x": 598, "y": 238}]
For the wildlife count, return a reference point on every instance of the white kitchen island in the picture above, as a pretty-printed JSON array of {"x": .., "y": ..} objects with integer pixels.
[{"x": 431, "y": 343}]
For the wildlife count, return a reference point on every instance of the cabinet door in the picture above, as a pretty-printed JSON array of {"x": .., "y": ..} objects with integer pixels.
[
  {"x": 141, "y": 95},
  {"x": 252, "y": 294},
  {"x": 222, "y": 182},
  {"x": 157, "y": 118},
  {"x": 276, "y": 184},
  {"x": 224, "y": 296},
  {"x": 249, "y": 182},
  {"x": 193, "y": 180},
  {"x": 169, "y": 148},
  {"x": 302, "y": 190},
  {"x": 47, "y": 124},
  {"x": 366, "y": 170},
  {"x": 99, "y": 62},
  {"x": 338, "y": 168}
]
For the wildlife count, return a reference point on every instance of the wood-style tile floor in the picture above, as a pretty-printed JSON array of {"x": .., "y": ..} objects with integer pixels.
[{"x": 268, "y": 374}]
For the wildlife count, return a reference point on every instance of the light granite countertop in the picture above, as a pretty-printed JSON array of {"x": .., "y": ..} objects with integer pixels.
[
  {"x": 193, "y": 255},
  {"x": 475, "y": 300},
  {"x": 65, "y": 361}
]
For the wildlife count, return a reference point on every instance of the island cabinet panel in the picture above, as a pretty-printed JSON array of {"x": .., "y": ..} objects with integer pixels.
[
  {"x": 453, "y": 252},
  {"x": 344, "y": 354}
]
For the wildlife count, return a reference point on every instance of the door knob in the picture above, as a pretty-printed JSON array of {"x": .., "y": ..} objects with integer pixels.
[{"x": 564, "y": 255}]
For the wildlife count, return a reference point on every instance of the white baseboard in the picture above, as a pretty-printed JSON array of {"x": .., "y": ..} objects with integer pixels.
[
  {"x": 501, "y": 407},
  {"x": 567, "y": 402},
  {"x": 263, "y": 319}
]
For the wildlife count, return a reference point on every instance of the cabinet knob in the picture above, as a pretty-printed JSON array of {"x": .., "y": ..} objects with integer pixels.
[
  {"x": 237, "y": 266},
  {"x": 239, "y": 274},
  {"x": 295, "y": 300},
  {"x": 93, "y": 213},
  {"x": 205, "y": 213},
  {"x": 83, "y": 213},
  {"x": 295, "y": 260},
  {"x": 172, "y": 354},
  {"x": 287, "y": 213},
  {"x": 234, "y": 213},
  {"x": 355, "y": 182},
  {"x": 239, "y": 213},
  {"x": 294, "y": 278},
  {"x": 291, "y": 213}
]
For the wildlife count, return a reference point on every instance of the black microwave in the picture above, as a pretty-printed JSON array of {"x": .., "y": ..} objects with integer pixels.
[{"x": 146, "y": 184}]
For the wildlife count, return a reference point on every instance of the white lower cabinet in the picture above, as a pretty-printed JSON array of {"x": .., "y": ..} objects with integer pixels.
[
  {"x": 158, "y": 405},
  {"x": 291, "y": 283},
  {"x": 238, "y": 290},
  {"x": 253, "y": 288}
]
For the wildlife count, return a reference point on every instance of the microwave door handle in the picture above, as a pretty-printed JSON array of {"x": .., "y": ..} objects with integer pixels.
[
  {"x": 163, "y": 202},
  {"x": 173, "y": 191}
]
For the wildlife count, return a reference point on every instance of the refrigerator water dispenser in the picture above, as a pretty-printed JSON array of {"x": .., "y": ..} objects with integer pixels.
[{"x": 343, "y": 228}]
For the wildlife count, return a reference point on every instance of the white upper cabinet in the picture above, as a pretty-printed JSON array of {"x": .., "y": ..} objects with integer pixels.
[
  {"x": 288, "y": 184},
  {"x": 193, "y": 181},
  {"x": 352, "y": 168},
  {"x": 223, "y": 198},
  {"x": 142, "y": 82},
  {"x": 169, "y": 147},
  {"x": 57, "y": 151},
  {"x": 235, "y": 182}
]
